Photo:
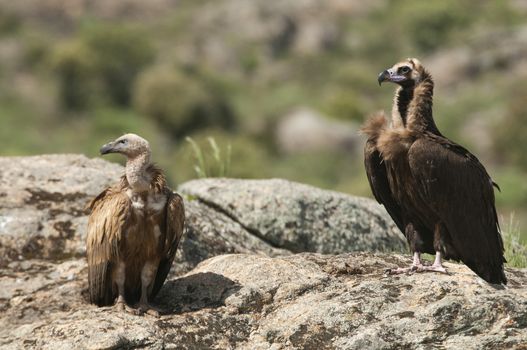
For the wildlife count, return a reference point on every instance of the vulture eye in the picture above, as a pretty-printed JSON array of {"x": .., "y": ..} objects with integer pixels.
[
  {"x": 405, "y": 69},
  {"x": 122, "y": 142}
]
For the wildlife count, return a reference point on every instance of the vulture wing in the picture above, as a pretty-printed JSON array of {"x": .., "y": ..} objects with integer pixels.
[
  {"x": 175, "y": 222},
  {"x": 378, "y": 179},
  {"x": 109, "y": 213},
  {"x": 457, "y": 188}
]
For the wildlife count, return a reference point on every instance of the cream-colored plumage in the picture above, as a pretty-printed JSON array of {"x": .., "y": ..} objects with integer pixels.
[{"x": 133, "y": 230}]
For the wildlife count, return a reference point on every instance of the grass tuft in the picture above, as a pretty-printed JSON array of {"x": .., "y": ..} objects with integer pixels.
[
  {"x": 211, "y": 164},
  {"x": 515, "y": 249}
]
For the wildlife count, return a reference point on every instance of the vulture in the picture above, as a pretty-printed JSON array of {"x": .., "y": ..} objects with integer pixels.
[
  {"x": 438, "y": 193},
  {"x": 134, "y": 230}
]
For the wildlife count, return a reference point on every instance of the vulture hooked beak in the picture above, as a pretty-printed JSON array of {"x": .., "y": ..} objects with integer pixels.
[
  {"x": 383, "y": 76},
  {"x": 390, "y": 75},
  {"x": 107, "y": 148}
]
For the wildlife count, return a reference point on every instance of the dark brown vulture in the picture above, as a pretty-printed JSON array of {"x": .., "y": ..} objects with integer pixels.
[
  {"x": 133, "y": 231},
  {"x": 437, "y": 192}
]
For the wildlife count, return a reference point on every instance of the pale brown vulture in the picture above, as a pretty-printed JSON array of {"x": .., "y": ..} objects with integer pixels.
[
  {"x": 437, "y": 192},
  {"x": 133, "y": 231}
]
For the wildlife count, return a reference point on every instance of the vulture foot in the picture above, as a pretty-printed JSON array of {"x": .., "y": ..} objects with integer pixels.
[
  {"x": 416, "y": 266},
  {"x": 121, "y": 305},
  {"x": 433, "y": 268},
  {"x": 146, "y": 308}
]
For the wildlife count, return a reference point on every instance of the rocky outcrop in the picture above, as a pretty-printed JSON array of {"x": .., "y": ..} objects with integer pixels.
[
  {"x": 300, "y": 218},
  {"x": 265, "y": 298},
  {"x": 43, "y": 201},
  {"x": 241, "y": 301}
]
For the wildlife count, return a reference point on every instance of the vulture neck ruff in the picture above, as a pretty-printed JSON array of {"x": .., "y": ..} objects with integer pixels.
[
  {"x": 412, "y": 106},
  {"x": 137, "y": 174}
]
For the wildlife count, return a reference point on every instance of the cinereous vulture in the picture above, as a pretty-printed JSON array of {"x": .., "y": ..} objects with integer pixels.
[
  {"x": 133, "y": 231},
  {"x": 437, "y": 192}
]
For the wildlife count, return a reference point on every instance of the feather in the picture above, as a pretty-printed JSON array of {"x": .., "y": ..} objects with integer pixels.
[{"x": 106, "y": 224}]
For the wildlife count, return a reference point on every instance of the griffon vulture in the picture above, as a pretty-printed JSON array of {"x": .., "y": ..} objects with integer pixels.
[
  {"x": 437, "y": 192},
  {"x": 133, "y": 231}
]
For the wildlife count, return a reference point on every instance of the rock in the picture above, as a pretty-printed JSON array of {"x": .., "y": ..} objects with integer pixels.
[
  {"x": 304, "y": 130},
  {"x": 43, "y": 214},
  {"x": 265, "y": 298},
  {"x": 210, "y": 232},
  {"x": 43, "y": 201},
  {"x": 298, "y": 217},
  {"x": 247, "y": 301}
]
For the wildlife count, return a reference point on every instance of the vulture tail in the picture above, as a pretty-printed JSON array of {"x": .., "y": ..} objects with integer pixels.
[{"x": 492, "y": 273}]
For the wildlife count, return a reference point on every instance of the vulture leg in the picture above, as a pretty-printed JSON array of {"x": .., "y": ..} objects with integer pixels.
[
  {"x": 119, "y": 278},
  {"x": 416, "y": 266},
  {"x": 148, "y": 275},
  {"x": 435, "y": 267}
]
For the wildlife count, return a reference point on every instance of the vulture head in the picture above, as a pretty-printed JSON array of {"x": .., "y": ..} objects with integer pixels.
[
  {"x": 130, "y": 145},
  {"x": 407, "y": 73}
]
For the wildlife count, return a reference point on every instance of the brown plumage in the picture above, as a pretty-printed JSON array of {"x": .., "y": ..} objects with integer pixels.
[
  {"x": 133, "y": 230},
  {"x": 437, "y": 192}
]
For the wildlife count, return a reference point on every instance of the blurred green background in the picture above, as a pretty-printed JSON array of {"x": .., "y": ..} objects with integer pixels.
[{"x": 285, "y": 84}]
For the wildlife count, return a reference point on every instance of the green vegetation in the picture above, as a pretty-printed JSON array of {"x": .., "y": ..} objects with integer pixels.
[
  {"x": 515, "y": 248},
  {"x": 181, "y": 103},
  {"x": 211, "y": 164},
  {"x": 76, "y": 79},
  {"x": 102, "y": 61}
]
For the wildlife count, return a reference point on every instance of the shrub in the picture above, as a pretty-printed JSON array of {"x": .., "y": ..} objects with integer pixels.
[
  {"x": 73, "y": 63},
  {"x": 181, "y": 103},
  {"x": 431, "y": 24},
  {"x": 120, "y": 53},
  {"x": 509, "y": 138},
  {"x": 101, "y": 61},
  {"x": 344, "y": 104}
]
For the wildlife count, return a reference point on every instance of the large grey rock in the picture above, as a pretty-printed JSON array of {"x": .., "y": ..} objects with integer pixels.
[
  {"x": 210, "y": 232},
  {"x": 43, "y": 200},
  {"x": 42, "y": 214},
  {"x": 305, "y": 301},
  {"x": 299, "y": 217}
]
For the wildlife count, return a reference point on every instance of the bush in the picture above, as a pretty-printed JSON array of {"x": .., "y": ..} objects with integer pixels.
[
  {"x": 73, "y": 63},
  {"x": 510, "y": 136},
  {"x": 121, "y": 52},
  {"x": 102, "y": 61},
  {"x": 431, "y": 24},
  {"x": 345, "y": 105},
  {"x": 181, "y": 103}
]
